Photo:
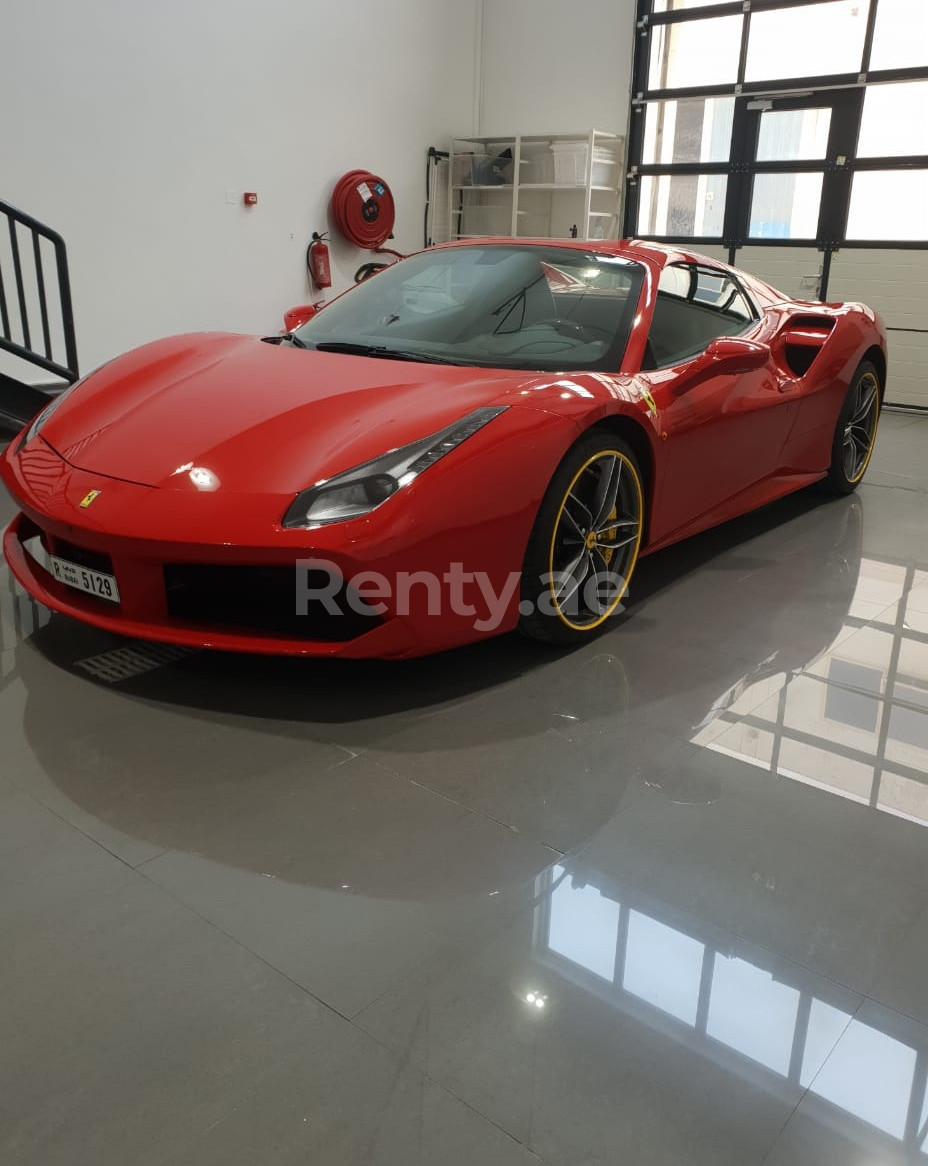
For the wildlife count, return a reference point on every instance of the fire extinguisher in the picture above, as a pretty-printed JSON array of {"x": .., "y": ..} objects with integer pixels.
[{"x": 317, "y": 260}]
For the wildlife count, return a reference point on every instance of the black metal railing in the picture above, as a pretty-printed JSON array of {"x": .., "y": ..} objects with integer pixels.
[{"x": 36, "y": 314}]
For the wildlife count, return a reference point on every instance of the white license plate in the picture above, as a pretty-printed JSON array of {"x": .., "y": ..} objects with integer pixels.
[{"x": 83, "y": 578}]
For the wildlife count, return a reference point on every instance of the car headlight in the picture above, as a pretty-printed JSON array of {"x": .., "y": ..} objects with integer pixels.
[
  {"x": 363, "y": 489},
  {"x": 40, "y": 418}
]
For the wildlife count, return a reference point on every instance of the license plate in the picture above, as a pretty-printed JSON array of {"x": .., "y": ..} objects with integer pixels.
[{"x": 83, "y": 578}]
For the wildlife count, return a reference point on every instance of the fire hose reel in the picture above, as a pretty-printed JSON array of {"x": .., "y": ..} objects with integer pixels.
[
  {"x": 364, "y": 213},
  {"x": 363, "y": 209}
]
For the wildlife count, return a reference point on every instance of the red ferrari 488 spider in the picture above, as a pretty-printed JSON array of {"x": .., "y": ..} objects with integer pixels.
[{"x": 484, "y": 436}]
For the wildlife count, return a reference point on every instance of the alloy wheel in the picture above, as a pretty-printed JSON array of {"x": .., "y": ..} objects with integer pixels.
[
  {"x": 595, "y": 541},
  {"x": 860, "y": 427}
]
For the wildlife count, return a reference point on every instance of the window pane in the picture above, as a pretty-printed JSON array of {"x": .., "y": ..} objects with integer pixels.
[
  {"x": 869, "y": 1074},
  {"x": 889, "y": 204},
  {"x": 826, "y": 1024},
  {"x": 808, "y": 41},
  {"x": 791, "y": 135},
  {"x": 697, "y": 52},
  {"x": 749, "y": 1010},
  {"x": 895, "y": 120},
  {"x": 900, "y": 38},
  {"x": 719, "y": 291},
  {"x": 676, "y": 279},
  {"x": 846, "y": 701},
  {"x": 584, "y": 926},
  {"x": 695, "y": 130},
  {"x": 693, "y": 306},
  {"x": 908, "y": 727},
  {"x": 707, "y": 286},
  {"x": 682, "y": 204},
  {"x": 663, "y": 966},
  {"x": 785, "y": 206}
]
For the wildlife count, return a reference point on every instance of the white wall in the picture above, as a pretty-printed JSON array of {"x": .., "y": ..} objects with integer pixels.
[
  {"x": 126, "y": 122},
  {"x": 550, "y": 66}
]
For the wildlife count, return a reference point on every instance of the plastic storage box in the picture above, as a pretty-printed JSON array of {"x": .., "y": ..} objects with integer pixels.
[
  {"x": 602, "y": 226},
  {"x": 482, "y": 169},
  {"x": 572, "y": 158},
  {"x": 467, "y": 168}
]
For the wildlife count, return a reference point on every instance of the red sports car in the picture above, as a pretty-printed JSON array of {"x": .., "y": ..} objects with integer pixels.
[{"x": 482, "y": 437}]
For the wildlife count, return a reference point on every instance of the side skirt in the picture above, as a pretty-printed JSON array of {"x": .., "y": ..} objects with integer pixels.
[{"x": 760, "y": 494}]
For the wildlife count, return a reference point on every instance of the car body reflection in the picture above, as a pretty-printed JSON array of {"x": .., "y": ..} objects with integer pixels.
[{"x": 583, "y": 714}]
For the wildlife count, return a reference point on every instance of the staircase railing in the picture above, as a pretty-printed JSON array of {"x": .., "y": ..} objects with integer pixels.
[{"x": 36, "y": 314}]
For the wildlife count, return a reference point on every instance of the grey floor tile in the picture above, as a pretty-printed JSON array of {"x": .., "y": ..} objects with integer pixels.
[
  {"x": 348, "y": 880},
  {"x": 819, "y": 879},
  {"x": 867, "y": 1104},
  {"x": 899, "y": 455},
  {"x": 134, "y": 1031},
  {"x": 887, "y": 478},
  {"x": 784, "y": 591},
  {"x": 900, "y": 984},
  {"x": 360, "y": 1111},
  {"x": 142, "y": 777},
  {"x": 603, "y": 1026},
  {"x": 46, "y": 870},
  {"x": 895, "y": 523},
  {"x": 532, "y": 754},
  {"x": 551, "y": 755},
  {"x": 899, "y": 418}
]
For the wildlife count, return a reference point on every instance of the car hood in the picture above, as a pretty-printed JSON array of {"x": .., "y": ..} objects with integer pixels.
[{"x": 261, "y": 417}]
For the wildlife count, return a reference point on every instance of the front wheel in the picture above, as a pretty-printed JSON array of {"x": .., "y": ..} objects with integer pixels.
[
  {"x": 855, "y": 433},
  {"x": 584, "y": 545}
]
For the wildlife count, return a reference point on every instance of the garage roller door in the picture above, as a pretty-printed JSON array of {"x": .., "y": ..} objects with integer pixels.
[
  {"x": 794, "y": 271},
  {"x": 895, "y": 283}
]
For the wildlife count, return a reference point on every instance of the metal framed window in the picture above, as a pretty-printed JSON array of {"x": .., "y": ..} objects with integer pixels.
[{"x": 733, "y": 142}]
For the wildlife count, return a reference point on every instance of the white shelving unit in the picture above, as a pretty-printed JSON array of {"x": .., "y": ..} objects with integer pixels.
[{"x": 555, "y": 186}]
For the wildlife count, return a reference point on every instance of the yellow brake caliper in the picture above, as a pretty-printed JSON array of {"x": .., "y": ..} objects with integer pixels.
[{"x": 610, "y": 536}]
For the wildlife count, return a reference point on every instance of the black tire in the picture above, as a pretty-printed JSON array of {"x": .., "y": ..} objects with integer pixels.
[
  {"x": 855, "y": 432},
  {"x": 573, "y": 577}
]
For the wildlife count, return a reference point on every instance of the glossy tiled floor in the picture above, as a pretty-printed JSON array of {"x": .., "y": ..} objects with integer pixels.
[{"x": 662, "y": 900}]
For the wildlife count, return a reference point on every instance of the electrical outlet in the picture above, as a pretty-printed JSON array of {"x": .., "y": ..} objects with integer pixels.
[{"x": 233, "y": 197}]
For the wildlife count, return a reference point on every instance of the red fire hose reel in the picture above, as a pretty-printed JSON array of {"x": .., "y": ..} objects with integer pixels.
[
  {"x": 364, "y": 213},
  {"x": 363, "y": 210}
]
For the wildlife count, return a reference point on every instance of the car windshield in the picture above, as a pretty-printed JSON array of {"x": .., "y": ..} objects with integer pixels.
[{"x": 494, "y": 305}]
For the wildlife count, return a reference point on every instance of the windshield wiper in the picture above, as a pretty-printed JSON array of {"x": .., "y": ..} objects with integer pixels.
[
  {"x": 285, "y": 338},
  {"x": 353, "y": 349}
]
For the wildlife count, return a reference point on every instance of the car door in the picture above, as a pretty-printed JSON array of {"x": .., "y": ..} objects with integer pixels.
[{"x": 724, "y": 433}]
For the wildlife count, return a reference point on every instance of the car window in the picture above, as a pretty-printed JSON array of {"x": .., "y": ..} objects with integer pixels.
[
  {"x": 694, "y": 305},
  {"x": 531, "y": 306}
]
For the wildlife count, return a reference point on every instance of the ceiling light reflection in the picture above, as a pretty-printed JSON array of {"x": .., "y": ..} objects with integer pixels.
[{"x": 203, "y": 478}]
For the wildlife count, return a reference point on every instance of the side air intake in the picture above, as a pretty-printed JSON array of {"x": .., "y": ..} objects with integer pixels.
[{"x": 801, "y": 340}]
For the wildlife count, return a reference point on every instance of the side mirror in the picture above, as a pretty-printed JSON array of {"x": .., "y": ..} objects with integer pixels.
[
  {"x": 725, "y": 356},
  {"x": 294, "y": 317}
]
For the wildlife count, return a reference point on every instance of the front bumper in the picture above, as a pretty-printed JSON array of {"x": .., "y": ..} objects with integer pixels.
[
  {"x": 172, "y": 550},
  {"x": 143, "y": 614},
  {"x": 152, "y": 541}
]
